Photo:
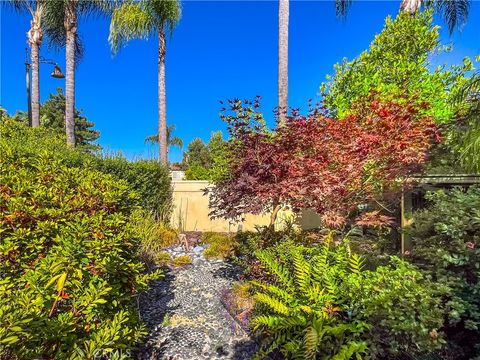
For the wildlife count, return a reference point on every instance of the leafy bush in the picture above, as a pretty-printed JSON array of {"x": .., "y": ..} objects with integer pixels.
[
  {"x": 399, "y": 66},
  {"x": 320, "y": 304},
  {"x": 149, "y": 179},
  {"x": 403, "y": 307},
  {"x": 182, "y": 260},
  {"x": 446, "y": 241},
  {"x": 318, "y": 162},
  {"x": 68, "y": 256},
  {"x": 220, "y": 246},
  {"x": 162, "y": 258}
]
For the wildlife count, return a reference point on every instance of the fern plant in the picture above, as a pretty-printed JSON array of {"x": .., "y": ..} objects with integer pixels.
[{"x": 304, "y": 314}]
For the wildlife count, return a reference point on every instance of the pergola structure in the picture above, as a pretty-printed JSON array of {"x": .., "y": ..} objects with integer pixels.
[{"x": 414, "y": 199}]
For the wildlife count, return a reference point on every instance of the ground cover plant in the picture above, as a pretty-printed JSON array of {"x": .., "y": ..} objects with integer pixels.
[
  {"x": 446, "y": 240},
  {"x": 320, "y": 303},
  {"x": 69, "y": 256}
]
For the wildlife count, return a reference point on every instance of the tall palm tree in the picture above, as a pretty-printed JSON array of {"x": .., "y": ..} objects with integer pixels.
[
  {"x": 139, "y": 20},
  {"x": 34, "y": 37},
  {"x": 61, "y": 25},
  {"x": 283, "y": 15},
  {"x": 171, "y": 140},
  {"x": 453, "y": 12}
]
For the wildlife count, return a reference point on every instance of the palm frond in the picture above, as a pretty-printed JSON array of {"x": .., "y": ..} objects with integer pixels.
[
  {"x": 341, "y": 7},
  {"x": 454, "y": 12},
  {"x": 142, "y": 19},
  {"x": 130, "y": 21}
]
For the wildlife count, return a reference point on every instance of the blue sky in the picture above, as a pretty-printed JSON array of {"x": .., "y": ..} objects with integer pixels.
[{"x": 220, "y": 50}]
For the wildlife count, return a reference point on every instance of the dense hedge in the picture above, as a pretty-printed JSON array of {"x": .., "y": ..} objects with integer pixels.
[
  {"x": 446, "y": 244},
  {"x": 69, "y": 268},
  {"x": 146, "y": 177}
]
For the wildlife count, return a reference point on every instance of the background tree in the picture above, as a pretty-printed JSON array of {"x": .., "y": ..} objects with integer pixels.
[
  {"x": 61, "y": 24},
  {"x": 171, "y": 140},
  {"x": 206, "y": 161},
  {"x": 53, "y": 116},
  {"x": 140, "y": 20},
  {"x": 34, "y": 39},
  {"x": 399, "y": 66}
]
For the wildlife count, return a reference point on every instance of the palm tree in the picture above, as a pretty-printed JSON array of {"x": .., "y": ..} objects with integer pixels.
[
  {"x": 453, "y": 12},
  {"x": 171, "y": 140},
  {"x": 283, "y": 15},
  {"x": 61, "y": 25},
  {"x": 34, "y": 37},
  {"x": 139, "y": 20}
]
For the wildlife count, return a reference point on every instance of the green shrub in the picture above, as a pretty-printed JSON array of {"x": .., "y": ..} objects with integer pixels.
[
  {"x": 162, "y": 258},
  {"x": 403, "y": 307},
  {"x": 446, "y": 243},
  {"x": 182, "y": 260},
  {"x": 321, "y": 304},
  {"x": 147, "y": 178},
  {"x": 68, "y": 254},
  {"x": 220, "y": 246}
]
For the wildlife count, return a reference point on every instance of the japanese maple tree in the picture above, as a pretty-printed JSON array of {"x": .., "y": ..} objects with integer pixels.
[{"x": 326, "y": 164}]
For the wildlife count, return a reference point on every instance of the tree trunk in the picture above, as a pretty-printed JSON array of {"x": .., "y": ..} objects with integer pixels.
[
  {"x": 283, "y": 14},
  {"x": 162, "y": 100},
  {"x": 71, "y": 30},
  {"x": 273, "y": 216},
  {"x": 34, "y": 41},
  {"x": 410, "y": 6}
]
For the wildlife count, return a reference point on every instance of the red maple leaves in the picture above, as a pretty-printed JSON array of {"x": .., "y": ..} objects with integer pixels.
[{"x": 318, "y": 162}]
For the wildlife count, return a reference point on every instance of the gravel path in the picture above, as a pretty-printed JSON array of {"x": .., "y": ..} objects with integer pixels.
[{"x": 185, "y": 316}]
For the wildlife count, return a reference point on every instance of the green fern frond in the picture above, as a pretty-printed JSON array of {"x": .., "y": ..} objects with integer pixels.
[
  {"x": 275, "y": 290},
  {"x": 302, "y": 271},
  {"x": 275, "y": 304},
  {"x": 275, "y": 268},
  {"x": 347, "y": 351},
  {"x": 355, "y": 263},
  {"x": 310, "y": 343}
]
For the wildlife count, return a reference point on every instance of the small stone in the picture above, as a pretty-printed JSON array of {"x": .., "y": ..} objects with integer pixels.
[{"x": 198, "y": 249}]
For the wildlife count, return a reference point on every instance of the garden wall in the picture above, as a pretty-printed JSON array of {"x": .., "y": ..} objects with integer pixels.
[{"x": 191, "y": 211}]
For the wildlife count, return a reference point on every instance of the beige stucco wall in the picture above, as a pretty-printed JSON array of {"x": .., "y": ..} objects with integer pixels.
[{"x": 191, "y": 211}]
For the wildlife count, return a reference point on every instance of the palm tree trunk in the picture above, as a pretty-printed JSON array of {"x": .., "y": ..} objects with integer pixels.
[
  {"x": 283, "y": 14},
  {"x": 35, "y": 40},
  {"x": 410, "y": 6},
  {"x": 71, "y": 30},
  {"x": 162, "y": 100}
]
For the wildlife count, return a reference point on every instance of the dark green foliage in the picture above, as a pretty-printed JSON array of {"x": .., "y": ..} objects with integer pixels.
[
  {"x": 207, "y": 161},
  {"x": 404, "y": 308},
  {"x": 150, "y": 180},
  {"x": 68, "y": 254},
  {"x": 52, "y": 115},
  {"x": 320, "y": 303},
  {"x": 446, "y": 240}
]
